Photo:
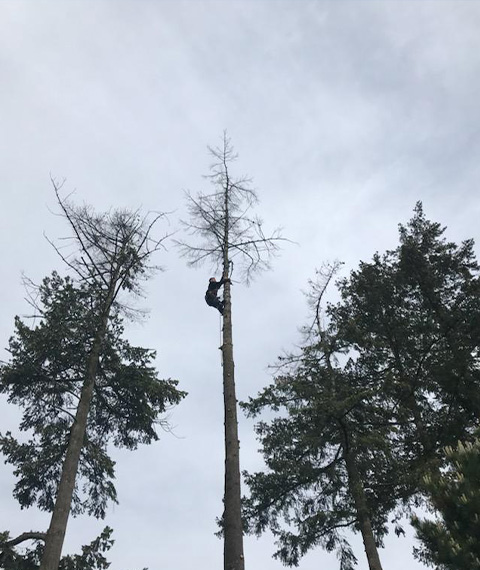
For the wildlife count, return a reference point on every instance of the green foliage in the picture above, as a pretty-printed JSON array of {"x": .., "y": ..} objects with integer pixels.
[
  {"x": 412, "y": 316},
  {"x": 391, "y": 379},
  {"x": 325, "y": 413},
  {"x": 91, "y": 558},
  {"x": 452, "y": 541},
  {"x": 44, "y": 377}
]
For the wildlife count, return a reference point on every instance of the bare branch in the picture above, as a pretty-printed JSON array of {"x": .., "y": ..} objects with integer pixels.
[
  {"x": 222, "y": 222},
  {"x": 113, "y": 248},
  {"x": 318, "y": 286},
  {"x": 68, "y": 214}
]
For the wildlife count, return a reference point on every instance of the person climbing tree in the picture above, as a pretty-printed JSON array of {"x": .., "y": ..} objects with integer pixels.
[
  {"x": 227, "y": 229},
  {"x": 211, "y": 297}
]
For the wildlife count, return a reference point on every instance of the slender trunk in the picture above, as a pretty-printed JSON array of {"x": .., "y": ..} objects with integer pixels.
[
  {"x": 58, "y": 523},
  {"x": 233, "y": 531},
  {"x": 232, "y": 514},
  {"x": 358, "y": 493}
]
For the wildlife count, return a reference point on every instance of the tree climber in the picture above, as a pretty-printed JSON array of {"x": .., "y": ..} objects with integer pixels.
[{"x": 211, "y": 295}]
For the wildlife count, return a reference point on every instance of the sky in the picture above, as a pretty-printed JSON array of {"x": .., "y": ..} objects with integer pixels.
[{"x": 344, "y": 113}]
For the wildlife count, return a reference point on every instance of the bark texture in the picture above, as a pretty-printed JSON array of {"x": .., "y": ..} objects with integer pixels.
[
  {"x": 58, "y": 523},
  {"x": 233, "y": 531},
  {"x": 358, "y": 494}
]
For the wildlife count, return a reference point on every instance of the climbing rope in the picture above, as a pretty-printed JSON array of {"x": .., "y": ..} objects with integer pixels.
[
  {"x": 220, "y": 328},
  {"x": 221, "y": 340}
]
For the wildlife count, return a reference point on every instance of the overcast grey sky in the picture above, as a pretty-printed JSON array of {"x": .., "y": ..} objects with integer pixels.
[{"x": 344, "y": 113}]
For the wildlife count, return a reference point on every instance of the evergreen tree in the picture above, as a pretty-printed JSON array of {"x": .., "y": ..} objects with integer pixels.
[
  {"x": 79, "y": 383},
  {"x": 397, "y": 370},
  {"x": 44, "y": 377},
  {"x": 412, "y": 317},
  {"x": 329, "y": 463},
  {"x": 452, "y": 542}
]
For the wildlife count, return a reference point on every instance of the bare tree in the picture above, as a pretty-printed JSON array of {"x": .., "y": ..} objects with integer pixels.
[
  {"x": 111, "y": 253},
  {"x": 229, "y": 233}
]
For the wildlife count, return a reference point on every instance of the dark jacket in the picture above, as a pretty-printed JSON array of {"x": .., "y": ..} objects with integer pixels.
[{"x": 213, "y": 287}]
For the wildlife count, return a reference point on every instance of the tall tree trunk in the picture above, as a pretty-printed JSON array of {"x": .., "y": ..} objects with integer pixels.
[
  {"x": 58, "y": 523},
  {"x": 233, "y": 531},
  {"x": 358, "y": 492}
]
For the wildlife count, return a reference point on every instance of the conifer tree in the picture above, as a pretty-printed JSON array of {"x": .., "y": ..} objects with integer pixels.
[
  {"x": 452, "y": 541},
  {"x": 329, "y": 465},
  {"x": 228, "y": 232},
  {"x": 412, "y": 316},
  {"x": 79, "y": 383},
  {"x": 405, "y": 383}
]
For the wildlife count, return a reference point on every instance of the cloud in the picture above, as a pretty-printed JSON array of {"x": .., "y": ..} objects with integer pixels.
[{"x": 344, "y": 113}]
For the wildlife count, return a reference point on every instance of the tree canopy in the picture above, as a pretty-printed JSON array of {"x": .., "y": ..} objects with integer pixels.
[
  {"x": 44, "y": 378},
  {"x": 368, "y": 404},
  {"x": 79, "y": 383}
]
